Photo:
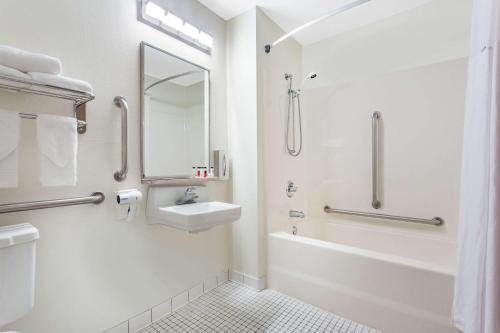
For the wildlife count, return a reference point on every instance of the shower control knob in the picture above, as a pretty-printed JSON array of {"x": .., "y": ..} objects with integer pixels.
[{"x": 291, "y": 189}]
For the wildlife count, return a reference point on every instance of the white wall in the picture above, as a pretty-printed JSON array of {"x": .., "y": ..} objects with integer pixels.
[
  {"x": 244, "y": 126},
  {"x": 94, "y": 271},
  {"x": 279, "y": 166}
]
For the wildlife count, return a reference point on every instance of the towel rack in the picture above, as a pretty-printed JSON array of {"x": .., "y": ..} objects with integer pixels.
[
  {"x": 435, "y": 221},
  {"x": 94, "y": 198},
  {"x": 79, "y": 98},
  {"x": 81, "y": 123}
]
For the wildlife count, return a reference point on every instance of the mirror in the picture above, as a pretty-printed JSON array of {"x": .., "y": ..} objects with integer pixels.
[{"x": 174, "y": 116}]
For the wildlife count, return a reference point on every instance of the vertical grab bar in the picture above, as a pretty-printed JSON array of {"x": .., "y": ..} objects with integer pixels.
[
  {"x": 375, "y": 160},
  {"x": 121, "y": 102}
]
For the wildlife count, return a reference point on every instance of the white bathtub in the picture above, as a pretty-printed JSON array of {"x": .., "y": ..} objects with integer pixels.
[{"x": 392, "y": 293}]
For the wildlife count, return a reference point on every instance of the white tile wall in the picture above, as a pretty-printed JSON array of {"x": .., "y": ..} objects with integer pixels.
[
  {"x": 222, "y": 277},
  {"x": 139, "y": 322},
  {"x": 195, "y": 292},
  {"x": 161, "y": 310},
  {"x": 180, "y": 300},
  {"x": 209, "y": 284},
  {"x": 145, "y": 318},
  {"x": 121, "y": 328}
]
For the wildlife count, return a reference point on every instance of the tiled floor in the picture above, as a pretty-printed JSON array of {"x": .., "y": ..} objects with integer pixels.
[{"x": 235, "y": 308}]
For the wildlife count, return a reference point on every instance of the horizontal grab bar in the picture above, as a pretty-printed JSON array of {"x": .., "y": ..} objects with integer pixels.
[
  {"x": 435, "y": 221},
  {"x": 94, "y": 198}
]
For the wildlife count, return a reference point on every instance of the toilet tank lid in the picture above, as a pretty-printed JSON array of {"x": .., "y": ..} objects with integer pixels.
[{"x": 17, "y": 234}]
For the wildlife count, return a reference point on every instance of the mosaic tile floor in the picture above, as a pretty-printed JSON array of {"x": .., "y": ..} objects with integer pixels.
[{"x": 235, "y": 308}]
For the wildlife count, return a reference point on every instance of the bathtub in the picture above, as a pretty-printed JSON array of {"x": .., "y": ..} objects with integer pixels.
[{"x": 389, "y": 292}]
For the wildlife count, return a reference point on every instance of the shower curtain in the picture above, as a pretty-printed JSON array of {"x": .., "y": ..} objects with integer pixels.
[{"x": 477, "y": 283}]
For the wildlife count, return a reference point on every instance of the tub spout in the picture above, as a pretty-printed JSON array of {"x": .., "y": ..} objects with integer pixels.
[{"x": 296, "y": 214}]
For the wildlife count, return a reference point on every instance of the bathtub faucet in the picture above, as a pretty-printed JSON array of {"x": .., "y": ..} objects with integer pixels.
[{"x": 296, "y": 214}]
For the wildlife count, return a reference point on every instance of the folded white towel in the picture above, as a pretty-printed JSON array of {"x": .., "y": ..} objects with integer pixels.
[
  {"x": 62, "y": 81},
  {"x": 58, "y": 144},
  {"x": 14, "y": 73},
  {"x": 9, "y": 141},
  {"x": 29, "y": 62}
]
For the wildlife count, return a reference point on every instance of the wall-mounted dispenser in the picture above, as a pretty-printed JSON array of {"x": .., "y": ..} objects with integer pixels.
[
  {"x": 129, "y": 201},
  {"x": 221, "y": 165}
]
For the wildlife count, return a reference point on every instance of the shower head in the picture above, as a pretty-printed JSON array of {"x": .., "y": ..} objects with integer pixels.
[{"x": 309, "y": 76}]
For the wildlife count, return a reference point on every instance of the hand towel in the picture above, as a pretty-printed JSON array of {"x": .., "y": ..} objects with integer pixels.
[
  {"x": 29, "y": 62},
  {"x": 9, "y": 142},
  {"x": 62, "y": 81},
  {"x": 58, "y": 144},
  {"x": 14, "y": 73}
]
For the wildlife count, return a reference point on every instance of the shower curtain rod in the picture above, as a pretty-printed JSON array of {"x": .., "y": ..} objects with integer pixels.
[
  {"x": 172, "y": 78},
  {"x": 336, "y": 11}
]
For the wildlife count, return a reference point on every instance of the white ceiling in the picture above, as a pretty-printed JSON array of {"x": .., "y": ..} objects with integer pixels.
[{"x": 289, "y": 14}]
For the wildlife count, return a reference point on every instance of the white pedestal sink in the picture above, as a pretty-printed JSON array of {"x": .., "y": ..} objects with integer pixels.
[{"x": 194, "y": 217}]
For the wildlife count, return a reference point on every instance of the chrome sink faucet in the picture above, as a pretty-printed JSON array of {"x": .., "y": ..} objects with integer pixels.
[{"x": 188, "y": 198}]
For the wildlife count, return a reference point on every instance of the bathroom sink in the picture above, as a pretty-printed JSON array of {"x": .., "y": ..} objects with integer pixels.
[{"x": 199, "y": 216}]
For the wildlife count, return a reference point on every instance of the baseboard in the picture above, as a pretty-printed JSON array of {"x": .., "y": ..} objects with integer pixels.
[
  {"x": 248, "y": 280},
  {"x": 169, "y": 305}
]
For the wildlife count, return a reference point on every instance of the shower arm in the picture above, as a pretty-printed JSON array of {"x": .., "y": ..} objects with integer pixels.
[{"x": 336, "y": 11}]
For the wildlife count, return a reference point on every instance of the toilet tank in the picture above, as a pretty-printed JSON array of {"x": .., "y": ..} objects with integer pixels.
[{"x": 17, "y": 271}]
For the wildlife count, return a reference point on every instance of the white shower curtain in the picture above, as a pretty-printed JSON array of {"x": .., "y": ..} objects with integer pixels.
[{"x": 477, "y": 290}]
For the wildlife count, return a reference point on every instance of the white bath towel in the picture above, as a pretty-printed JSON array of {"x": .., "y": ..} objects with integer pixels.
[
  {"x": 58, "y": 144},
  {"x": 62, "y": 81},
  {"x": 9, "y": 142},
  {"x": 29, "y": 62},
  {"x": 14, "y": 73}
]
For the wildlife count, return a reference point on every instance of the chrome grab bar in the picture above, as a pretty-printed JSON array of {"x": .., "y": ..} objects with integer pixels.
[
  {"x": 375, "y": 161},
  {"x": 435, "y": 221},
  {"x": 121, "y": 102},
  {"x": 94, "y": 198}
]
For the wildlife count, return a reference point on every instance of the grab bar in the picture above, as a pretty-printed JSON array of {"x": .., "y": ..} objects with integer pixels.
[
  {"x": 375, "y": 161},
  {"x": 94, "y": 198},
  {"x": 121, "y": 102},
  {"x": 435, "y": 221}
]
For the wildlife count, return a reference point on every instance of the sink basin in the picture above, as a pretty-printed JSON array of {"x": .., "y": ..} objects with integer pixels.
[{"x": 199, "y": 216}]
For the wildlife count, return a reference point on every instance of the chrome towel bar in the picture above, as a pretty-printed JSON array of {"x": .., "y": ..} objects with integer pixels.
[
  {"x": 435, "y": 221},
  {"x": 80, "y": 123},
  {"x": 94, "y": 198}
]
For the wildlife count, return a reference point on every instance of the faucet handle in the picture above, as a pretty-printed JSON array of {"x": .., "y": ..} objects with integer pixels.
[{"x": 291, "y": 188}]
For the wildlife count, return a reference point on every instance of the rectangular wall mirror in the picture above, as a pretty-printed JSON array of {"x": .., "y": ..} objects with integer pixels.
[{"x": 175, "y": 115}]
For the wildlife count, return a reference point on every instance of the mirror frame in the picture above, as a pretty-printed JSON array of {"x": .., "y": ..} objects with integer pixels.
[{"x": 158, "y": 180}]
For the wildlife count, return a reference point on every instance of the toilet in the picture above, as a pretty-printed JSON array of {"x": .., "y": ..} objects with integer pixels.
[{"x": 17, "y": 271}]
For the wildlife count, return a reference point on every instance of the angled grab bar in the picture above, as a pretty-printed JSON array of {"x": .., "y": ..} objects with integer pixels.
[
  {"x": 375, "y": 161},
  {"x": 121, "y": 102},
  {"x": 435, "y": 221}
]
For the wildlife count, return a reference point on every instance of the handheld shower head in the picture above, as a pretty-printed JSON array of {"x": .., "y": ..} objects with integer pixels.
[{"x": 309, "y": 76}]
